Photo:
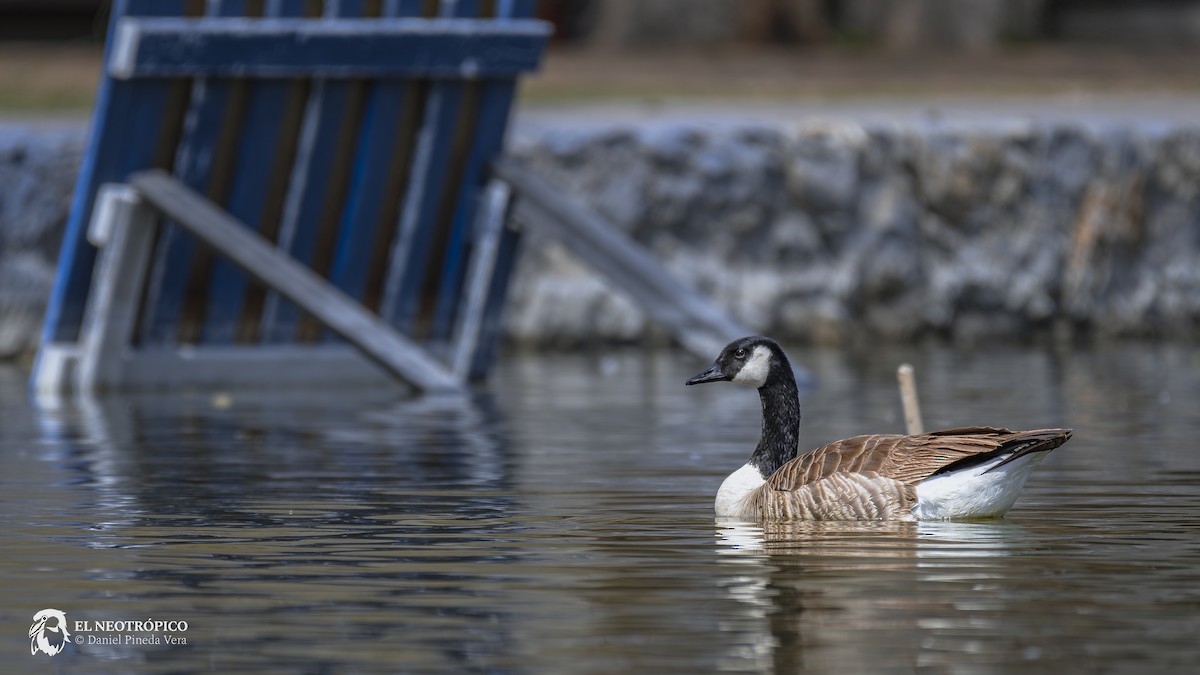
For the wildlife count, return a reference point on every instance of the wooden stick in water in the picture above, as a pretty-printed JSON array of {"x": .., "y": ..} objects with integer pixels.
[{"x": 908, "y": 396}]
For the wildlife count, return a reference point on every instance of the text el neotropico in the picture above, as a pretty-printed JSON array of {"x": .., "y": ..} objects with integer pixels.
[{"x": 147, "y": 626}]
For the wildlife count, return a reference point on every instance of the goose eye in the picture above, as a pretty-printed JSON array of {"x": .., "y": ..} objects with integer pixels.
[{"x": 741, "y": 353}]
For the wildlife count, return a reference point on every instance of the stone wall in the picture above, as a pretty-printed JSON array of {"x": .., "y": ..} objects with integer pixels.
[
  {"x": 37, "y": 173},
  {"x": 850, "y": 232},
  {"x": 820, "y": 232}
]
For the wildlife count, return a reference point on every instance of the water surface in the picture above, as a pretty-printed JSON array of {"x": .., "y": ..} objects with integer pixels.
[{"x": 560, "y": 521}]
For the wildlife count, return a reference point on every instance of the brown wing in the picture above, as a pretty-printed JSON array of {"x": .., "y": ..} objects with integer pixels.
[
  {"x": 912, "y": 459},
  {"x": 840, "y": 496}
]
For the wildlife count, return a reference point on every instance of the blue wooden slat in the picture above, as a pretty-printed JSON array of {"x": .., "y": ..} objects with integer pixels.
[
  {"x": 123, "y": 137},
  {"x": 299, "y": 231},
  {"x": 257, "y": 154},
  {"x": 495, "y": 101},
  {"x": 409, "y": 260},
  {"x": 167, "y": 283},
  {"x": 336, "y": 48},
  {"x": 403, "y": 7},
  {"x": 417, "y": 220},
  {"x": 310, "y": 186},
  {"x": 227, "y": 284},
  {"x": 376, "y": 143}
]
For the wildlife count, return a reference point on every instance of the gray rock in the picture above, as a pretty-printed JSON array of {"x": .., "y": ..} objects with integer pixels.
[
  {"x": 25, "y": 282},
  {"x": 37, "y": 172},
  {"x": 823, "y": 167}
]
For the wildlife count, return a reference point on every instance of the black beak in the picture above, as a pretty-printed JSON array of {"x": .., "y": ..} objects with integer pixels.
[{"x": 713, "y": 374}]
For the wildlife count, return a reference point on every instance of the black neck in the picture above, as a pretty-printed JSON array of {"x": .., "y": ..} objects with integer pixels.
[{"x": 780, "y": 422}]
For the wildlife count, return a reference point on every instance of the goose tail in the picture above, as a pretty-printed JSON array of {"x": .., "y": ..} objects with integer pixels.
[{"x": 1024, "y": 443}]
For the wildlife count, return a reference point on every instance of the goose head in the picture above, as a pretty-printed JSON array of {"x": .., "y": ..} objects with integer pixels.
[
  {"x": 760, "y": 363},
  {"x": 753, "y": 361}
]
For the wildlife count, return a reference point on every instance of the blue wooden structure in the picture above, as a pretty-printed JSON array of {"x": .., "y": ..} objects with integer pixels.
[{"x": 353, "y": 136}]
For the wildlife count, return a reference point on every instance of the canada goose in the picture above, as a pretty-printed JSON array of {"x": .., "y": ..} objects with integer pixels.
[{"x": 969, "y": 472}]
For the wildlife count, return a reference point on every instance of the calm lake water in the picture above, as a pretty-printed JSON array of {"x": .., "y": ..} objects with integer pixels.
[{"x": 560, "y": 521}]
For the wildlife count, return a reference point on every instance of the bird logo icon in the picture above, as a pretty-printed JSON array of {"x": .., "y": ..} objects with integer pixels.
[{"x": 48, "y": 633}]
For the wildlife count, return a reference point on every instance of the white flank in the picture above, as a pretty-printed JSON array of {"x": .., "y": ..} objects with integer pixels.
[
  {"x": 754, "y": 372},
  {"x": 736, "y": 488},
  {"x": 973, "y": 492}
]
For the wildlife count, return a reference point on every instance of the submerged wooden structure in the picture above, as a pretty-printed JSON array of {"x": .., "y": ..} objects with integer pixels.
[
  {"x": 351, "y": 138},
  {"x": 275, "y": 190}
]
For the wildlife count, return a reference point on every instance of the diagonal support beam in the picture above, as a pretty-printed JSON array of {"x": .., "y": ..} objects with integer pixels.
[
  {"x": 372, "y": 336},
  {"x": 697, "y": 323}
]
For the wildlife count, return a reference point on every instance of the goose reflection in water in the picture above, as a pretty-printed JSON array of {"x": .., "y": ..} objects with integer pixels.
[
  {"x": 857, "y": 539},
  {"x": 847, "y": 596}
]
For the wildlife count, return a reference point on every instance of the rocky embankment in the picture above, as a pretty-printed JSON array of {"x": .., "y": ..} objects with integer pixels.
[
  {"x": 829, "y": 232},
  {"x": 844, "y": 232}
]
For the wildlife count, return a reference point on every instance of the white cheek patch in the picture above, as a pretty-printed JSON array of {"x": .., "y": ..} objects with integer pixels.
[{"x": 758, "y": 366}]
